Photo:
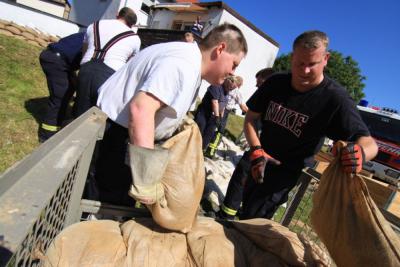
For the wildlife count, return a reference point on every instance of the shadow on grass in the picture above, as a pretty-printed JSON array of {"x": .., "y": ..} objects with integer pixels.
[{"x": 36, "y": 107}]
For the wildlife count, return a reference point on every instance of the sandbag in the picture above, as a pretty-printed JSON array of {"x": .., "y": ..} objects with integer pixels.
[
  {"x": 91, "y": 243},
  {"x": 150, "y": 245},
  {"x": 214, "y": 245},
  {"x": 350, "y": 224},
  {"x": 272, "y": 237},
  {"x": 183, "y": 180}
]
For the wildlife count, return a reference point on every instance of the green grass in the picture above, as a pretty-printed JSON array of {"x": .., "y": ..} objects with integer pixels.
[
  {"x": 22, "y": 92},
  {"x": 234, "y": 126}
]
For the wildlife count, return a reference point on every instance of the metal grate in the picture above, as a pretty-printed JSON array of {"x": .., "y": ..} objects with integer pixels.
[{"x": 47, "y": 226}]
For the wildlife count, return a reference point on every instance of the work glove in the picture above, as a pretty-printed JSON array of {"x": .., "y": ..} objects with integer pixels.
[
  {"x": 258, "y": 160},
  {"x": 147, "y": 168},
  {"x": 218, "y": 122},
  {"x": 352, "y": 157}
]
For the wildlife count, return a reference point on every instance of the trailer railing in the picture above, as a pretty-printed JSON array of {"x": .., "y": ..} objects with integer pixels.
[{"x": 41, "y": 195}]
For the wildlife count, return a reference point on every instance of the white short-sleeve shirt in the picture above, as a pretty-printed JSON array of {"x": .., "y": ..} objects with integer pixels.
[
  {"x": 120, "y": 52},
  {"x": 234, "y": 97},
  {"x": 169, "y": 71}
]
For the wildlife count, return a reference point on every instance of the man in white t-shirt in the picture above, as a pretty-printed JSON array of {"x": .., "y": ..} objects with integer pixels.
[
  {"x": 147, "y": 99},
  {"x": 108, "y": 45}
]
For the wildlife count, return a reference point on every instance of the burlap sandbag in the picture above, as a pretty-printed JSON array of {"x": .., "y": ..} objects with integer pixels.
[
  {"x": 183, "y": 180},
  {"x": 92, "y": 243},
  {"x": 279, "y": 240},
  {"x": 150, "y": 245},
  {"x": 350, "y": 224},
  {"x": 214, "y": 245}
]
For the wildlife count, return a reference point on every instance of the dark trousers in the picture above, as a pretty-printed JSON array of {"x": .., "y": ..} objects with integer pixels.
[
  {"x": 234, "y": 193},
  {"x": 207, "y": 125},
  {"x": 259, "y": 200},
  {"x": 109, "y": 177},
  {"x": 262, "y": 200},
  {"x": 59, "y": 81},
  {"x": 224, "y": 119},
  {"x": 91, "y": 77}
]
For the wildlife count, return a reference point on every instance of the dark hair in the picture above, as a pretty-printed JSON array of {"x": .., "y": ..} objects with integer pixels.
[
  {"x": 311, "y": 40},
  {"x": 128, "y": 15},
  {"x": 228, "y": 33},
  {"x": 264, "y": 73}
]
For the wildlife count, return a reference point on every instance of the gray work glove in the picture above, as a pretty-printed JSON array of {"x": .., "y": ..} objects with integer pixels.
[{"x": 147, "y": 168}]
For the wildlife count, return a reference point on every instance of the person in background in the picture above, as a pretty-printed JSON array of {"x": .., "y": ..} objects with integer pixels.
[
  {"x": 297, "y": 111},
  {"x": 262, "y": 75},
  {"x": 109, "y": 44},
  {"x": 188, "y": 37},
  {"x": 234, "y": 98},
  {"x": 209, "y": 113},
  {"x": 197, "y": 27},
  {"x": 59, "y": 62},
  {"x": 147, "y": 99},
  {"x": 234, "y": 194}
]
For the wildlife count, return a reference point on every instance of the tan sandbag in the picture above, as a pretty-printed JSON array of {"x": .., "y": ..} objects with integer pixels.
[
  {"x": 13, "y": 29},
  {"x": 183, "y": 180},
  {"x": 91, "y": 243},
  {"x": 33, "y": 43},
  {"x": 6, "y": 32},
  {"x": 19, "y": 37},
  {"x": 41, "y": 42},
  {"x": 2, "y": 26},
  {"x": 28, "y": 36},
  {"x": 150, "y": 245},
  {"x": 350, "y": 224},
  {"x": 53, "y": 39},
  {"x": 5, "y": 22},
  {"x": 32, "y": 31},
  {"x": 279, "y": 240},
  {"x": 214, "y": 245}
]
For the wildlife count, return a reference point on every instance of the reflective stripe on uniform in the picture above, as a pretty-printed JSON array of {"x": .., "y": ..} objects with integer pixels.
[
  {"x": 50, "y": 128},
  {"x": 228, "y": 210}
]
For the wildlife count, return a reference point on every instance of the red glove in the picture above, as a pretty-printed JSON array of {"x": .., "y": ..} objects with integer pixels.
[
  {"x": 352, "y": 157},
  {"x": 259, "y": 160}
]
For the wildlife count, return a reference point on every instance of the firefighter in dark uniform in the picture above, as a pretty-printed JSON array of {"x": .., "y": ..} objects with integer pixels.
[{"x": 59, "y": 62}]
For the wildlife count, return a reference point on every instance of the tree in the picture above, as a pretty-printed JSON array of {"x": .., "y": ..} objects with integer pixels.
[{"x": 344, "y": 70}]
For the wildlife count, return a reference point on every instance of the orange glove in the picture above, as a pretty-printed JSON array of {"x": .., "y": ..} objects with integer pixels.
[
  {"x": 259, "y": 160},
  {"x": 352, "y": 157}
]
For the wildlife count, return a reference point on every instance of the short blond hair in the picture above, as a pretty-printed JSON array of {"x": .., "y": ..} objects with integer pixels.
[{"x": 311, "y": 40}]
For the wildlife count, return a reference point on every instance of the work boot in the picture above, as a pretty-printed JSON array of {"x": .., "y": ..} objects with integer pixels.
[{"x": 223, "y": 216}]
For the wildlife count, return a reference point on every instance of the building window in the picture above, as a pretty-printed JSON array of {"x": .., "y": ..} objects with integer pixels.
[{"x": 145, "y": 8}]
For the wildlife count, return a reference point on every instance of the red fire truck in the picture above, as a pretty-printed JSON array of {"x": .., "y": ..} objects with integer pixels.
[{"x": 384, "y": 125}]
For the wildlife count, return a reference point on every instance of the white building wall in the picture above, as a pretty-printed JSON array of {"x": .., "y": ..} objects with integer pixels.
[
  {"x": 51, "y": 8},
  {"x": 42, "y": 22},
  {"x": 261, "y": 54},
  {"x": 136, "y": 6},
  {"x": 162, "y": 19}
]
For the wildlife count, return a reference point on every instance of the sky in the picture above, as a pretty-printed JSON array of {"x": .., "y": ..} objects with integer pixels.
[{"x": 366, "y": 30}]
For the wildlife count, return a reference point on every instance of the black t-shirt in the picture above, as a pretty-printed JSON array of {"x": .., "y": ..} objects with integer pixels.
[{"x": 294, "y": 124}]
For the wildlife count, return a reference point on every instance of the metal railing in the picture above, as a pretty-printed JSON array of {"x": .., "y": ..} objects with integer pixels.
[{"x": 41, "y": 195}]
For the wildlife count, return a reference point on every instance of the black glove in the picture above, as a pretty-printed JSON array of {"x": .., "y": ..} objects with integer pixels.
[
  {"x": 259, "y": 160},
  {"x": 218, "y": 122}
]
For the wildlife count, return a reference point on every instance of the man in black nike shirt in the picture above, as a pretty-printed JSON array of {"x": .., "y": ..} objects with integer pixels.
[{"x": 297, "y": 111}]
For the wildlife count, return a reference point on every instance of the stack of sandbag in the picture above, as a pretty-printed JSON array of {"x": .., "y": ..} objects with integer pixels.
[
  {"x": 31, "y": 36},
  {"x": 141, "y": 242},
  {"x": 350, "y": 224},
  {"x": 183, "y": 180}
]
